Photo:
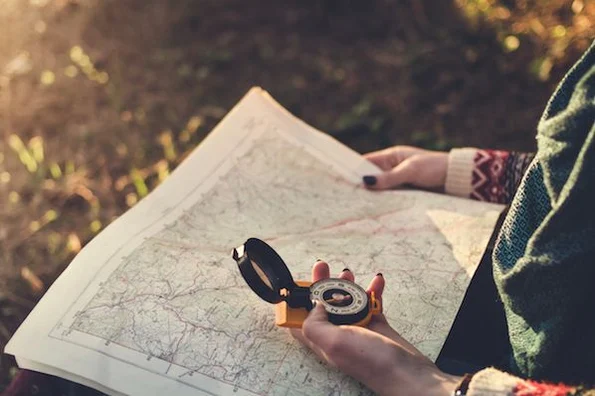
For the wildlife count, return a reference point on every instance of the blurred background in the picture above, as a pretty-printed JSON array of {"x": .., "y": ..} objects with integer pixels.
[{"x": 101, "y": 99}]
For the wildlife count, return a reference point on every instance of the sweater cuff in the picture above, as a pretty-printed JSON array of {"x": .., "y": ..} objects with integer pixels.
[
  {"x": 492, "y": 382},
  {"x": 460, "y": 172}
]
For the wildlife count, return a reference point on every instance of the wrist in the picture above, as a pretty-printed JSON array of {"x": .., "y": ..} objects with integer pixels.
[
  {"x": 427, "y": 381},
  {"x": 441, "y": 159},
  {"x": 443, "y": 384}
]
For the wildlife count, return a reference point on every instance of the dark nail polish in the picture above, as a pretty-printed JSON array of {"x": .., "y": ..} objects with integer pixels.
[
  {"x": 346, "y": 269},
  {"x": 370, "y": 180},
  {"x": 379, "y": 274}
]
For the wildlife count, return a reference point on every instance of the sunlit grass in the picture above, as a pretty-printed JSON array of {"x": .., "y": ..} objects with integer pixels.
[
  {"x": 35, "y": 225},
  {"x": 131, "y": 199},
  {"x": 535, "y": 23},
  {"x": 55, "y": 170},
  {"x": 95, "y": 226},
  {"x": 54, "y": 242},
  {"x": 191, "y": 127},
  {"x": 33, "y": 280},
  {"x": 25, "y": 155},
  {"x": 74, "y": 243},
  {"x": 558, "y": 31},
  {"x": 162, "y": 168},
  {"x": 139, "y": 183},
  {"x": 83, "y": 61},
  {"x": 167, "y": 142}
]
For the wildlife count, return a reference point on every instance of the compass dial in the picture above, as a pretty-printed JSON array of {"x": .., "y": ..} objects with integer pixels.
[{"x": 340, "y": 297}]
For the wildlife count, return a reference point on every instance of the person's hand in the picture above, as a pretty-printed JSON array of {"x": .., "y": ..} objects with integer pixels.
[
  {"x": 377, "y": 356},
  {"x": 407, "y": 165}
]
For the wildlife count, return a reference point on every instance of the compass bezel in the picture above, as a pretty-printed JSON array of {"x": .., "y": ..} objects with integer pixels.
[{"x": 336, "y": 314}]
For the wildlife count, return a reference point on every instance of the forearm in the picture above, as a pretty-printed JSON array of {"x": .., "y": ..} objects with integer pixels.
[{"x": 485, "y": 175}]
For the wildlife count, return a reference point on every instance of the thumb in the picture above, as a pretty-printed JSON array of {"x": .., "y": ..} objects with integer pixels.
[
  {"x": 399, "y": 175},
  {"x": 316, "y": 328}
]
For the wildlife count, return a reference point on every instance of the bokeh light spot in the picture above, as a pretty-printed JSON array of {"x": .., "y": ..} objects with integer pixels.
[
  {"x": 511, "y": 43},
  {"x": 34, "y": 226},
  {"x": 558, "y": 31},
  {"x": 76, "y": 53},
  {"x": 74, "y": 243},
  {"x": 131, "y": 199},
  {"x": 4, "y": 177},
  {"x": 47, "y": 77},
  {"x": 102, "y": 77},
  {"x": 71, "y": 71},
  {"x": 95, "y": 226},
  {"x": 14, "y": 197}
]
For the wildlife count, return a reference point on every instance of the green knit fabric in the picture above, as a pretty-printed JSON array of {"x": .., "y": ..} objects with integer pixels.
[{"x": 544, "y": 260}]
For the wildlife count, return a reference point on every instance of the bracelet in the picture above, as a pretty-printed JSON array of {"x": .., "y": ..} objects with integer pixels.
[{"x": 463, "y": 386}]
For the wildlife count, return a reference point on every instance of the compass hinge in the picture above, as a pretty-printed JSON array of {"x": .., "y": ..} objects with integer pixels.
[{"x": 299, "y": 297}]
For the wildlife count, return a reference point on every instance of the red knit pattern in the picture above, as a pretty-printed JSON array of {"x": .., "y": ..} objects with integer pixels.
[
  {"x": 488, "y": 179},
  {"x": 532, "y": 388}
]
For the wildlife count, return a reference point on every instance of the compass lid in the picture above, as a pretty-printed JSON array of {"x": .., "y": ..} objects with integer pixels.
[{"x": 264, "y": 270}]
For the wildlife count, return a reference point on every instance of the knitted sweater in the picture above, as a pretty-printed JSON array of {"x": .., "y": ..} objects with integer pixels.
[{"x": 543, "y": 260}]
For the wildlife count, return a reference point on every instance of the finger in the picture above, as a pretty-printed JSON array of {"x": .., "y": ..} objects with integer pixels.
[
  {"x": 388, "y": 158},
  {"x": 384, "y": 159},
  {"x": 320, "y": 271},
  {"x": 377, "y": 286},
  {"x": 347, "y": 275},
  {"x": 401, "y": 174}
]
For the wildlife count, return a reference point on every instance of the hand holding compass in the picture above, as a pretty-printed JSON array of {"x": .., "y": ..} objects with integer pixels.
[
  {"x": 375, "y": 355},
  {"x": 345, "y": 302}
]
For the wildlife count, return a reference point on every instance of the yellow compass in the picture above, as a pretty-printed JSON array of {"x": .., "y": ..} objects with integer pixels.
[{"x": 262, "y": 268}]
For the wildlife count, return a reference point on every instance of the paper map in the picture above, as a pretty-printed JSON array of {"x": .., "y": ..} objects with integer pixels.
[{"x": 163, "y": 307}]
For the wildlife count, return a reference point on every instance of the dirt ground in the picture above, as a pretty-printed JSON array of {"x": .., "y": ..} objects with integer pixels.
[{"x": 101, "y": 99}]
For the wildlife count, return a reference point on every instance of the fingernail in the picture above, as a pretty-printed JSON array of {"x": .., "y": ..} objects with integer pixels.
[
  {"x": 379, "y": 274},
  {"x": 369, "y": 180},
  {"x": 317, "y": 260},
  {"x": 346, "y": 269}
]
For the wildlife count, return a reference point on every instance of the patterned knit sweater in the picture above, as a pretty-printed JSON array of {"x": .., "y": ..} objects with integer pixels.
[{"x": 544, "y": 260}]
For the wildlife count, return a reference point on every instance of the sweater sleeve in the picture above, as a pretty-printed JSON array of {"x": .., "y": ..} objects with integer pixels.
[
  {"x": 492, "y": 382},
  {"x": 543, "y": 260},
  {"x": 485, "y": 175}
]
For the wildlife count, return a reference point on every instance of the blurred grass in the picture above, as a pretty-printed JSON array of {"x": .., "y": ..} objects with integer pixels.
[{"x": 101, "y": 100}]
